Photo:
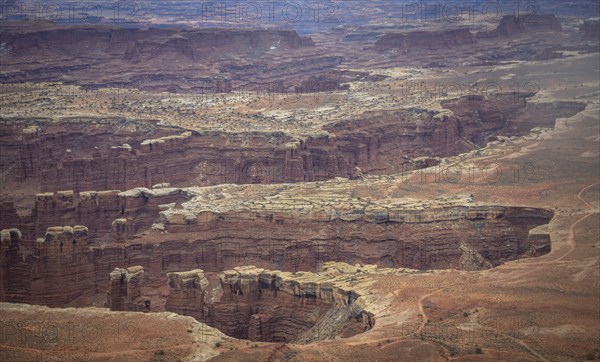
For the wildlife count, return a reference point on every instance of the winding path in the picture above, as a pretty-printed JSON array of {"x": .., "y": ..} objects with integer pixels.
[{"x": 571, "y": 244}]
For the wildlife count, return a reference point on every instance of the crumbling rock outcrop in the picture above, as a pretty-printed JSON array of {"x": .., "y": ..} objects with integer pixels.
[
  {"x": 187, "y": 294},
  {"x": 112, "y": 214},
  {"x": 9, "y": 240},
  {"x": 11, "y": 235},
  {"x": 276, "y": 306},
  {"x": 49, "y": 270},
  {"x": 471, "y": 259},
  {"x": 125, "y": 292},
  {"x": 279, "y": 307}
]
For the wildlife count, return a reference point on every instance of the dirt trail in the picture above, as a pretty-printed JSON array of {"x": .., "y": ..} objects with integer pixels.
[{"x": 571, "y": 245}]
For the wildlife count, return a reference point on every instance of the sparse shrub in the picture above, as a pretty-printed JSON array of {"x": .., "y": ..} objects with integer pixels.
[
  {"x": 478, "y": 350},
  {"x": 465, "y": 314},
  {"x": 218, "y": 344}
]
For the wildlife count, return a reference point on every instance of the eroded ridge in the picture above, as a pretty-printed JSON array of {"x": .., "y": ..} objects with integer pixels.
[
  {"x": 287, "y": 227},
  {"x": 113, "y": 153},
  {"x": 270, "y": 305}
]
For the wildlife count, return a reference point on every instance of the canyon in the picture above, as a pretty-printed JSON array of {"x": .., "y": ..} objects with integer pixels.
[
  {"x": 85, "y": 154},
  {"x": 163, "y": 230},
  {"x": 382, "y": 188},
  {"x": 205, "y": 58},
  {"x": 41, "y": 270},
  {"x": 129, "y": 219},
  {"x": 274, "y": 306}
]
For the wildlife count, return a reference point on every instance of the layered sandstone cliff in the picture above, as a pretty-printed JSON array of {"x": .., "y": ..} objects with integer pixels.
[
  {"x": 53, "y": 157},
  {"x": 281, "y": 227},
  {"x": 44, "y": 266},
  {"x": 188, "y": 291},
  {"x": 275, "y": 306},
  {"x": 125, "y": 292},
  {"x": 88, "y": 55}
]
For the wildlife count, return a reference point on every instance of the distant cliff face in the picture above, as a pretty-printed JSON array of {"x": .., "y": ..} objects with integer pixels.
[
  {"x": 524, "y": 37},
  {"x": 445, "y": 39},
  {"x": 511, "y": 25},
  {"x": 138, "y": 44},
  {"x": 165, "y": 59},
  {"x": 429, "y": 40},
  {"x": 590, "y": 29}
]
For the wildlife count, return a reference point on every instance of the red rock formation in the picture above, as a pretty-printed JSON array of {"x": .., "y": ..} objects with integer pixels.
[
  {"x": 124, "y": 293},
  {"x": 90, "y": 54},
  {"x": 10, "y": 240},
  {"x": 65, "y": 265},
  {"x": 508, "y": 115},
  {"x": 155, "y": 158},
  {"x": 114, "y": 215},
  {"x": 379, "y": 143},
  {"x": 216, "y": 240},
  {"x": 187, "y": 293},
  {"x": 265, "y": 305},
  {"x": 9, "y": 216},
  {"x": 106, "y": 42},
  {"x": 49, "y": 270}
]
